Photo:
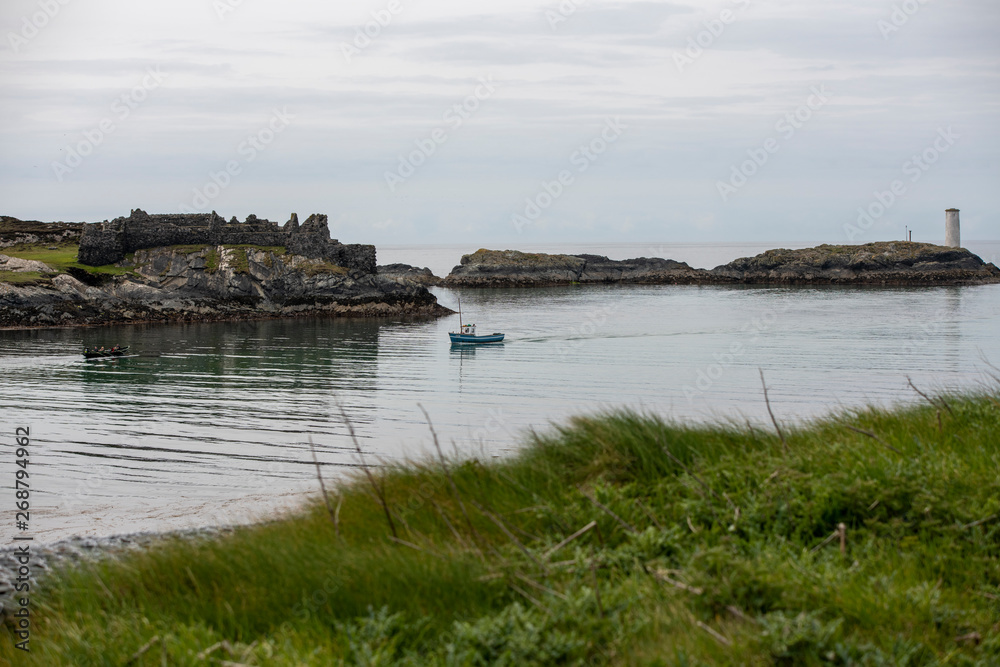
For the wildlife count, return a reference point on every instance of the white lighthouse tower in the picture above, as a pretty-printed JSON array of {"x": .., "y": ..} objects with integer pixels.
[{"x": 952, "y": 235}]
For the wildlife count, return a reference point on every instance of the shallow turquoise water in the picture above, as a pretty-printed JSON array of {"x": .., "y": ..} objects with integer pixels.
[{"x": 208, "y": 414}]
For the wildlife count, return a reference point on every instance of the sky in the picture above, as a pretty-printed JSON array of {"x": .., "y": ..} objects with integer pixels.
[{"x": 498, "y": 124}]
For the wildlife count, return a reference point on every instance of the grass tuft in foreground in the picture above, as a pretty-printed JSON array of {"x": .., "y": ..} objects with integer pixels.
[{"x": 618, "y": 539}]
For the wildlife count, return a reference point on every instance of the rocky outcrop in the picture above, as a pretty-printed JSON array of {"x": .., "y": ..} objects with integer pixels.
[
  {"x": 421, "y": 276},
  {"x": 109, "y": 242},
  {"x": 31, "y": 232},
  {"x": 212, "y": 283},
  {"x": 643, "y": 270},
  {"x": 881, "y": 263},
  {"x": 18, "y": 265},
  {"x": 511, "y": 268}
]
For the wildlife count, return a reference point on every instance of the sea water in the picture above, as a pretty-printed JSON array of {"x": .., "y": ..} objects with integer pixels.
[{"x": 212, "y": 423}]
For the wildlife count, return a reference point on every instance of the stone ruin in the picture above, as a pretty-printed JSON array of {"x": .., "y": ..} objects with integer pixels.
[{"x": 108, "y": 242}]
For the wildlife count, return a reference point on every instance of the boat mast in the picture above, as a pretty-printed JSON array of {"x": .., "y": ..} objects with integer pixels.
[{"x": 459, "y": 313}]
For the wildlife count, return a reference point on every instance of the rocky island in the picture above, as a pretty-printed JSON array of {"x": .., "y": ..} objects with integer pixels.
[
  {"x": 890, "y": 263},
  {"x": 420, "y": 275},
  {"x": 199, "y": 267},
  {"x": 511, "y": 268},
  {"x": 163, "y": 268}
]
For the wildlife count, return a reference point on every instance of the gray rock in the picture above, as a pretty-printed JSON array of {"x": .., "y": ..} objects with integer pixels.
[
  {"x": 883, "y": 263},
  {"x": 109, "y": 242},
  {"x": 421, "y": 276},
  {"x": 215, "y": 283},
  {"x": 496, "y": 268},
  {"x": 880, "y": 263}
]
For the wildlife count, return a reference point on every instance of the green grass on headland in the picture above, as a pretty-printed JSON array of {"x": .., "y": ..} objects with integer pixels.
[
  {"x": 320, "y": 267},
  {"x": 709, "y": 547},
  {"x": 61, "y": 259},
  {"x": 22, "y": 277}
]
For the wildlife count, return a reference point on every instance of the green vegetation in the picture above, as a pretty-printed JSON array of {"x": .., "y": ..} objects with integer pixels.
[
  {"x": 316, "y": 267},
  {"x": 276, "y": 249},
  {"x": 23, "y": 277},
  {"x": 212, "y": 260},
  {"x": 239, "y": 260},
  {"x": 528, "y": 259},
  {"x": 61, "y": 259},
  {"x": 190, "y": 248},
  {"x": 705, "y": 545}
]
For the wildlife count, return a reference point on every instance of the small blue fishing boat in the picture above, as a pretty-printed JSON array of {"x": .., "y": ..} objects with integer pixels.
[{"x": 466, "y": 335}]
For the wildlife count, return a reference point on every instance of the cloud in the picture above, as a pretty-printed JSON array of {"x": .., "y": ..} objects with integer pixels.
[{"x": 555, "y": 86}]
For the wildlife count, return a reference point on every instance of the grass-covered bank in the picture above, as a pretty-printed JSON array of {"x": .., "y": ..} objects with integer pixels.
[{"x": 700, "y": 548}]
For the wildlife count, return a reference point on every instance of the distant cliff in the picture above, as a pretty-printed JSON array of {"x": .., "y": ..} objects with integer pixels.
[
  {"x": 882, "y": 263},
  {"x": 109, "y": 242}
]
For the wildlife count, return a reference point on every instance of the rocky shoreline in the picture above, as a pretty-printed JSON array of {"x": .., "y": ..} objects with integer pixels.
[
  {"x": 319, "y": 276},
  {"x": 214, "y": 271},
  {"x": 171, "y": 285},
  {"x": 212, "y": 283},
  {"x": 885, "y": 263}
]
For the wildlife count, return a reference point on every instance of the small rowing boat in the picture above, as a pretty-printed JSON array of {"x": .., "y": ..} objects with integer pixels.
[
  {"x": 103, "y": 353},
  {"x": 467, "y": 333}
]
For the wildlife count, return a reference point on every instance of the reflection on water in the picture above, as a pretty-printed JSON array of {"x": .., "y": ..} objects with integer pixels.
[{"x": 205, "y": 413}]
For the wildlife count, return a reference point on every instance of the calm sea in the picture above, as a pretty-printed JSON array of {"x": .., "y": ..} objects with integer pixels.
[{"x": 210, "y": 423}]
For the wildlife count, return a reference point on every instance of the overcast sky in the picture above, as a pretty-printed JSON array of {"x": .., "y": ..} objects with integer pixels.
[{"x": 682, "y": 109}]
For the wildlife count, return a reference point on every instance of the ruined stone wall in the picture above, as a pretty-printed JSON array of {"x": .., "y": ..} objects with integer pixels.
[{"x": 109, "y": 242}]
